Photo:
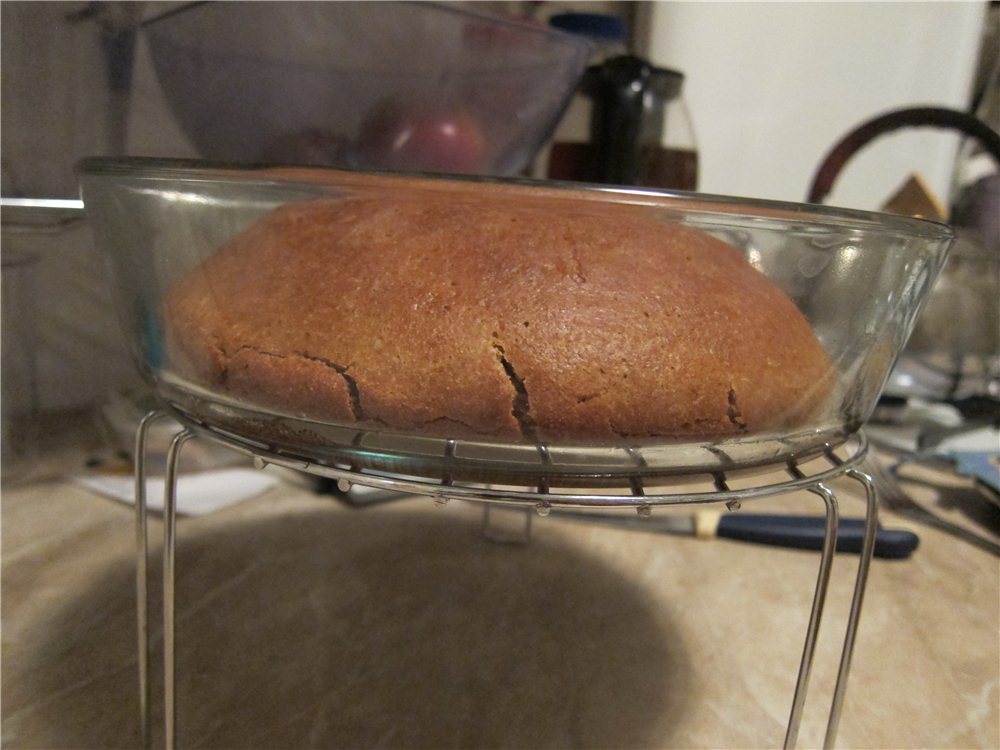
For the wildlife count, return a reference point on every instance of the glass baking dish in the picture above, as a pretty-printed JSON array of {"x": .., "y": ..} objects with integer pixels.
[{"x": 504, "y": 330}]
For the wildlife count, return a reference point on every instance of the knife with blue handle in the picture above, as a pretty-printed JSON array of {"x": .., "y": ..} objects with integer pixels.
[{"x": 798, "y": 532}]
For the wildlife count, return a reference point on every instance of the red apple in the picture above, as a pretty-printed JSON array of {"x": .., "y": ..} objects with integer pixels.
[{"x": 401, "y": 137}]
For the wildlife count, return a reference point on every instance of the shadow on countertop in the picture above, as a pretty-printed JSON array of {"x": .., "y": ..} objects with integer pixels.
[{"x": 391, "y": 629}]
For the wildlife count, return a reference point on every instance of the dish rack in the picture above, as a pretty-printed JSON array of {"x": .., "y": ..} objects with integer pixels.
[{"x": 642, "y": 491}]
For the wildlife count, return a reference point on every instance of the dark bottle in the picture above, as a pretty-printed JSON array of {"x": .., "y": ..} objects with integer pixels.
[{"x": 640, "y": 131}]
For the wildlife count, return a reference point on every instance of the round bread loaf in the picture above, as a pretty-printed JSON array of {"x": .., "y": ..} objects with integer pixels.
[{"x": 497, "y": 319}]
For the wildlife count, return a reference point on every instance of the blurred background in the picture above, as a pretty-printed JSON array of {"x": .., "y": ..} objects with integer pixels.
[
  {"x": 769, "y": 86},
  {"x": 733, "y": 98}
]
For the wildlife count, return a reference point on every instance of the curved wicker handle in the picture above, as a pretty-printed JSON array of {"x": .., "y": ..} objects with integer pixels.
[{"x": 854, "y": 141}]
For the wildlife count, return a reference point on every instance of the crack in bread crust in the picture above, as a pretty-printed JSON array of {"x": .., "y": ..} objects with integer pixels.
[
  {"x": 353, "y": 388},
  {"x": 521, "y": 403},
  {"x": 733, "y": 413},
  {"x": 353, "y": 392}
]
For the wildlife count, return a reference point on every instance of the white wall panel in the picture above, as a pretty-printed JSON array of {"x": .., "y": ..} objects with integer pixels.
[{"x": 772, "y": 86}]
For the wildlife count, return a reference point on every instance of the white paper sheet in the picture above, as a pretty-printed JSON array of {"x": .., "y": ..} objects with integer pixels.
[{"x": 197, "y": 493}]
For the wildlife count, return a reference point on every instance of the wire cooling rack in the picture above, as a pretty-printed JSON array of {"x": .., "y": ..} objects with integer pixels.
[{"x": 534, "y": 481}]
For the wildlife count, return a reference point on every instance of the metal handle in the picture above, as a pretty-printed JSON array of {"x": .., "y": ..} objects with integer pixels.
[{"x": 854, "y": 141}]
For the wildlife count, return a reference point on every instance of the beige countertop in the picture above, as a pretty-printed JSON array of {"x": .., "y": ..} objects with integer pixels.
[{"x": 304, "y": 623}]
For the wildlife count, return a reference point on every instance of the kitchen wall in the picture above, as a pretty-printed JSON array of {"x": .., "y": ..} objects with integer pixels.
[
  {"x": 772, "y": 86},
  {"x": 62, "y": 346},
  {"x": 55, "y": 105}
]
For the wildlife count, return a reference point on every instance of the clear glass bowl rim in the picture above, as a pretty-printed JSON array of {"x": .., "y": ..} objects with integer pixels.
[{"x": 721, "y": 207}]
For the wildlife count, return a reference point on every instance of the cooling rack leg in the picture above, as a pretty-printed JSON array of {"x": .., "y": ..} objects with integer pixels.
[
  {"x": 816, "y": 614},
  {"x": 867, "y": 547},
  {"x": 169, "y": 526},
  {"x": 142, "y": 574}
]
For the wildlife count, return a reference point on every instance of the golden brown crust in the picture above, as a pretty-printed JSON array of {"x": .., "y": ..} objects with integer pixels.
[{"x": 497, "y": 319}]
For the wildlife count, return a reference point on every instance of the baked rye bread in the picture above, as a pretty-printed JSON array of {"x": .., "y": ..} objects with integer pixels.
[{"x": 497, "y": 319}]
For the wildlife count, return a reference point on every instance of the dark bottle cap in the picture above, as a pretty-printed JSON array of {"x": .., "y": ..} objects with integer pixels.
[{"x": 628, "y": 73}]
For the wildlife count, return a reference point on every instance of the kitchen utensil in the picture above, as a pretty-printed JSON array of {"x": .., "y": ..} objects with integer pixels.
[
  {"x": 960, "y": 438},
  {"x": 895, "y": 498},
  {"x": 389, "y": 85},
  {"x": 779, "y": 530},
  {"x": 980, "y": 467}
]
